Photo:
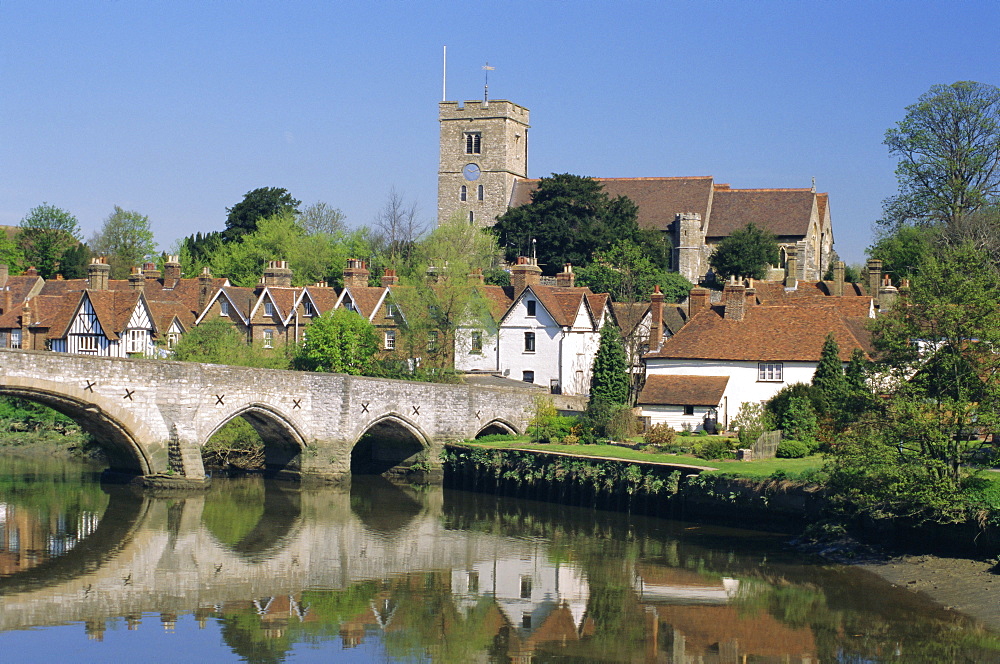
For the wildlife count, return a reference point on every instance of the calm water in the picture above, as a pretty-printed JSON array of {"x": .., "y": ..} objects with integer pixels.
[{"x": 265, "y": 572}]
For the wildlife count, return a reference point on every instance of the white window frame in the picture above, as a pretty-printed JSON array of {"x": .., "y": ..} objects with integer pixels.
[
  {"x": 307, "y": 308},
  {"x": 390, "y": 339},
  {"x": 224, "y": 308},
  {"x": 269, "y": 308},
  {"x": 477, "y": 342},
  {"x": 15, "y": 338},
  {"x": 268, "y": 338},
  {"x": 88, "y": 343},
  {"x": 770, "y": 372},
  {"x": 134, "y": 341},
  {"x": 173, "y": 338},
  {"x": 391, "y": 310}
]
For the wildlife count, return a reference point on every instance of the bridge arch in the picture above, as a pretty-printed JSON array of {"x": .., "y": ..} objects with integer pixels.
[
  {"x": 497, "y": 427},
  {"x": 283, "y": 441},
  {"x": 388, "y": 445},
  {"x": 127, "y": 442}
]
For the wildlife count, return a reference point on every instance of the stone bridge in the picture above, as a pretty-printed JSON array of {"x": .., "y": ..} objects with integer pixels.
[{"x": 153, "y": 417}]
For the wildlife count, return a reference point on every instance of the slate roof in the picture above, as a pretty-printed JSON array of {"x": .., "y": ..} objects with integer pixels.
[
  {"x": 660, "y": 200},
  {"x": 767, "y": 333},
  {"x": 783, "y": 212},
  {"x": 683, "y": 390}
]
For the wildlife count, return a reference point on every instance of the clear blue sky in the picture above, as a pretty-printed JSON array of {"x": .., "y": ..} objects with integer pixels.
[{"x": 176, "y": 109}]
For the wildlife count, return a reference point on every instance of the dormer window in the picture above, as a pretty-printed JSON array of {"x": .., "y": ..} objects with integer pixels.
[
  {"x": 223, "y": 307},
  {"x": 268, "y": 309},
  {"x": 307, "y": 308},
  {"x": 531, "y": 306}
]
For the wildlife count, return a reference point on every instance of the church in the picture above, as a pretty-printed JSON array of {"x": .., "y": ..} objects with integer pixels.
[{"x": 483, "y": 171}]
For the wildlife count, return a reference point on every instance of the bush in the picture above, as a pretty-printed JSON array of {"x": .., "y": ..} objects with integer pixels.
[
  {"x": 547, "y": 425},
  {"x": 660, "y": 435},
  {"x": 792, "y": 449},
  {"x": 570, "y": 439},
  {"x": 717, "y": 448},
  {"x": 751, "y": 422}
]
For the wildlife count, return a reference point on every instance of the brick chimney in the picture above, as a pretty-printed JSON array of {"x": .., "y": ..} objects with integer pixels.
[
  {"x": 172, "y": 269},
  {"x": 389, "y": 278},
  {"x": 655, "y": 319},
  {"x": 874, "y": 278},
  {"x": 791, "y": 267},
  {"x": 149, "y": 271},
  {"x": 838, "y": 278},
  {"x": 566, "y": 278},
  {"x": 355, "y": 274},
  {"x": 204, "y": 287},
  {"x": 698, "y": 300},
  {"x": 751, "y": 295},
  {"x": 734, "y": 295},
  {"x": 523, "y": 274},
  {"x": 277, "y": 273},
  {"x": 136, "y": 280},
  {"x": 31, "y": 272},
  {"x": 477, "y": 276},
  {"x": 98, "y": 273}
]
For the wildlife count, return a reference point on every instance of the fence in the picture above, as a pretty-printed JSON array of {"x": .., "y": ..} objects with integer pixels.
[{"x": 766, "y": 446}]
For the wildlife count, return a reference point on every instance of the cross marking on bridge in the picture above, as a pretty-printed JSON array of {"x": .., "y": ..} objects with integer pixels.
[
  {"x": 479, "y": 415},
  {"x": 364, "y": 407},
  {"x": 90, "y": 386},
  {"x": 296, "y": 404},
  {"x": 128, "y": 394},
  {"x": 219, "y": 399},
  {"x": 416, "y": 410}
]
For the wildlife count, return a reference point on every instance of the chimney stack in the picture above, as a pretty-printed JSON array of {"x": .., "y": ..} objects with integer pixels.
[
  {"x": 698, "y": 300},
  {"x": 887, "y": 294},
  {"x": 477, "y": 276},
  {"x": 98, "y": 273},
  {"x": 791, "y": 267},
  {"x": 136, "y": 280},
  {"x": 172, "y": 269},
  {"x": 149, "y": 271},
  {"x": 8, "y": 299},
  {"x": 204, "y": 287},
  {"x": 656, "y": 319},
  {"x": 566, "y": 278},
  {"x": 838, "y": 278},
  {"x": 751, "y": 295},
  {"x": 389, "y": 278},
  {"x": 277, "y": 273},
  {"x": 734, "y": 295},
  {"x": 525, "y": 273},
  {"x": 355, "y": 274},
  {"x": 874, "y": 278}
]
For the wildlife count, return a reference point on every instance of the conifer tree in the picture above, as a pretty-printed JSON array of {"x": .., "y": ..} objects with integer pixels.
[
  {"x": 829, "y": 377},
  {"x": 609, "y": 379}
]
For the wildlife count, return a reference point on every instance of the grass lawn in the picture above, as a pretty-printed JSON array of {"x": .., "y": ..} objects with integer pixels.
[{"x": 752, "y": 469}]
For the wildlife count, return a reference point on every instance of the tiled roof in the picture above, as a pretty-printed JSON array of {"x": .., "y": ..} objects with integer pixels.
[
  {"x": 774, "y": 291},
  {"x": 242, "y": 298},
  {"x": 498, "y": 299},
  {"x": 660, "y": 200},
  {"x": 628, "y": 315},
  {"x": 766, "y": 333},
  {"x": 284, "y": 299},
  {"x": 113, "y": 309},
  {"x": 783, "y": 212},
  {"x": 562, "y": 303},
  {"x": 366, "y": 298},
  {"x": 683, "y": 390},
  {"x": 323, "y": 298}
]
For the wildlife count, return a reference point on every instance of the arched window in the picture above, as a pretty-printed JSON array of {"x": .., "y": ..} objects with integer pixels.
[
  {"x": 463, "y": 193},
  {"x": 480, "y": 192}
]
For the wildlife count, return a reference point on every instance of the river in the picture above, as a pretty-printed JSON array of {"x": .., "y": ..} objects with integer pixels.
[{"x": 261, "y": 571}]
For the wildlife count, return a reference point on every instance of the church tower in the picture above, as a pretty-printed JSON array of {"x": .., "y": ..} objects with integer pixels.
[{"x": 484, "y": 149}]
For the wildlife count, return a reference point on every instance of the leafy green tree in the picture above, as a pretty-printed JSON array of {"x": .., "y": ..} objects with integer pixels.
[
  {"x": 568, "y": 220},
  {"x": 626, "y": 272},
  {"x": 949, "y": 150},
  {"x": 800, "y": 421},
  {"x": 747, "y": 252},
  {"x": 10, "y": 254},
  {"x": 219, "y": 342},
  {"x": 126, "y": 239},
  {"x": 258, "y": 204},
  {"x": 47, "y": 232},
  {"x": 340, "y": 341},
  {"x": 903, "y": 249},
  {"x": 74, "y": 262},
  {"x": 320, "y": 218}
]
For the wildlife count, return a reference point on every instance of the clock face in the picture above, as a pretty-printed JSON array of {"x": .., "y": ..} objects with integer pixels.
[{"x": 471, "y": 172}]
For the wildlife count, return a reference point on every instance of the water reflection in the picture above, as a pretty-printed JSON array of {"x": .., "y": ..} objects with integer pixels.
[{"x": 388, "y": 573}]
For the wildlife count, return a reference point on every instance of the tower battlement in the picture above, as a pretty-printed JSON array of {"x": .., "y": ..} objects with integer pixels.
[{"x": 480, "y": 110}]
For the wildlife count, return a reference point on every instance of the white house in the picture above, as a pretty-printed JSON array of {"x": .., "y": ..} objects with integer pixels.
[{"x": 751, "y": 349}]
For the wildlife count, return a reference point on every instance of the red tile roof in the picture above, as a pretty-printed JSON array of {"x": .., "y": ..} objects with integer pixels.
[
  {"x": 683, "y": 390},
  {"x": 783, "y": 212}
]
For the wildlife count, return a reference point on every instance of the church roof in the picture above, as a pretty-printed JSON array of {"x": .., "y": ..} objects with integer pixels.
[{"x": 783, "y": 212}]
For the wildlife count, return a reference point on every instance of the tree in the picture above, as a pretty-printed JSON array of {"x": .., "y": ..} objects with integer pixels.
[
  {"x": 828, "y": 378},
  {"x": 74, "y": 262},
  {"x": 10, "y": 254},
  {"x": 568, "y": 220},
  {"x": 217, "y": 341},
  {"x": 949, "y": 150},
  {"x": 126, "y": 239},
  {"x": 398, "y": 226},
  {"x": 340, "y": 341},
  {"x": 747, "y": 252},
  {"x": 903, "y": 249},
  {"x": 320, "y": 218},
  {"x": 47, "y": 232},
  {"x": 258, "y": 204},
  {"x": 609, "y": 378},
  {"x": 626, "y": 272}
]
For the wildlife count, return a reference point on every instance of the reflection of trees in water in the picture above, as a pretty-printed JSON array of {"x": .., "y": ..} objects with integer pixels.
[
  {"x": 251, "y": 516},
  {"x": 384, "y": 507}
]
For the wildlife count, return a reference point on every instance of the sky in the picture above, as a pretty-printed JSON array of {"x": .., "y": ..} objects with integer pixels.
[{"x": 177, "y": 109}]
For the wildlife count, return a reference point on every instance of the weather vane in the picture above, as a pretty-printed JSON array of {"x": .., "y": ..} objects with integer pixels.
[{"x": 486, "y": 88}]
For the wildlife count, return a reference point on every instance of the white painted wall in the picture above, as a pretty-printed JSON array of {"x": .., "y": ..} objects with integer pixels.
[
  {"x": 466, "y": 360},
  {"x": 674, "y": 417}
]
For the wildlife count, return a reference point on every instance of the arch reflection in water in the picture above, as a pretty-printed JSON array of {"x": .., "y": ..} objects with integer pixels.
[{"x": 250, "y": 516}]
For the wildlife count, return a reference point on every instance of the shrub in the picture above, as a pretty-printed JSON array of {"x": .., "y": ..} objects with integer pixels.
[
  {"x": 792, "y": 449},
  {"x": 660, "y": 435},
  {"x": 570, "y": 439},
  {"x": 751, "y": 422},
  {"x": 716, "y": 448}
]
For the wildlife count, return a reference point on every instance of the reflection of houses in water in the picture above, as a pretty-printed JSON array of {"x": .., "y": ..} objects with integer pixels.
[
  {"x": 27, "y": 541},
  {"x": 676, "y": 585}
]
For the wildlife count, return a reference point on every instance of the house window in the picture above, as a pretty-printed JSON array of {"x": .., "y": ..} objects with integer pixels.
[
  {"x": 390, "y": 339},
  {"x": 528, "y": 377},
  {"x": 526, "y": 620},
  {"x": 3, "y": 339},
  {"x": 15, "y": 338},
  {"x": 525, "y": 586},
  {"x": 463, "y": 193},
  {"x": 689, "y": 410},
  {"x": 268, "y": 308},
  {"x": 88, "y": 343},
  {"x": 473, "y": 143},
  {"x": 480, "y": 193},
  {"x": 477, "y": 341},
  {"x": 432, "y": 341},
  {"x": 391, "y": 310},
  {"x": 529, "y": 342},
  {"x": 223, "y": 307},
  {"x": 172, "y": 339},
  {"x": 268, "y": 338},
  {"x": 307, "y": 308},
  {"x": 134, "y": 341},
  {"x": 531, "y": 305},
  {"x": 769, "y": 371},
  {"x": 473, "y": 582}
]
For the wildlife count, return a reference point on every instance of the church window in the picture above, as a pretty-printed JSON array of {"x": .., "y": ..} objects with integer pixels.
[
  {"x": 480, "y": 193},
  {"x": 769, "y": 371},
  {"x": 463, "y": 193},
  {"x": 473, "y": 143}
]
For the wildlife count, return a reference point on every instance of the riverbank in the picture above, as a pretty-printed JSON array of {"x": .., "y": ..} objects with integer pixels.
[{"x": 48, "y": 444}]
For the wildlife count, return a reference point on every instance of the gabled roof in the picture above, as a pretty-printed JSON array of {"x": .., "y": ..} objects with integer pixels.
[
  {"x": 563, "y": 304},
  {"x": 113, "y": 310},
  {"x": 498, "y": 299},
  {"x": 660, "y": 200},
  {"x": 783, "y": 212},
  {"x": 366, "y": 299},
  {"x": 241, "y": 300},
  {"x": 683, "y": 390},
  {"x": 323, "y": 298},
  {"x": 766, "y": 333},
  {"x": 283, "y": 298}
]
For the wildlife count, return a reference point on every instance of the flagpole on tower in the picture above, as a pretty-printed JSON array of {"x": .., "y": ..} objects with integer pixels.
[
  {"x": 486, "y": 88},
  {"x": 444, "y": 74}
]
